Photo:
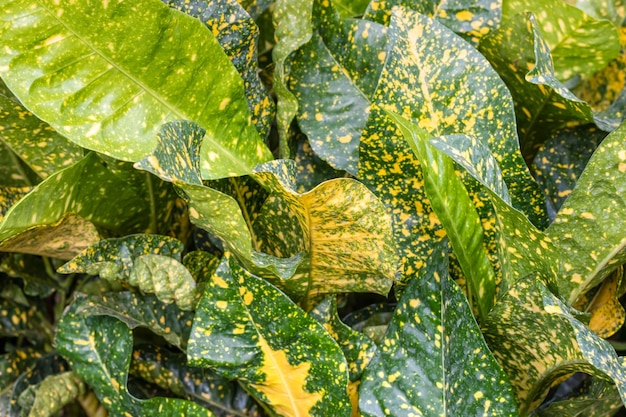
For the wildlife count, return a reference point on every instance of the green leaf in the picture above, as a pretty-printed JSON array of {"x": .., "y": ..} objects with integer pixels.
[
  {"x": 372, "y": 320},
  {"x": 311, "y": 170},
  {"x": 521, "y": 55},
  {"x": 169, "y": 371},
  {"x": 537, "y": 340},
  {"x": 237, "y": 34},
  {"x": 294, "y": 28},
  {"x": 350, "y": 8},
  {"x": 560, "y": 161},
  {"x": 108, "y": 75},
  {"x": 433, "y": 360},
  {"x": 135, "y": 310},
  {"x": 14, "y": 173},
  {"x": 588, "y": 228},
  {"x": 36, "y": 143},
  {"x": 579, "y": 44},
  {"x": 247, "y": 329},
  {"x": 51, "y": 395},
  {"x": 471, "y": 19},
  {"x": 17, "y": 320},
  {"x": 99, "y": 350},
  {"x": 16, "y": 362},
  {"x": 455, "y": 211}
]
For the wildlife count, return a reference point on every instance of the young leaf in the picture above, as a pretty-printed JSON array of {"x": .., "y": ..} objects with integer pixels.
[
  {"x": 248, "y": 330},
  {"x": 433, "y": 360},
  {"x": 588, "y": 226},
  {"x": 75, "y": 67},
  {"x": 455, "y": 211},
  {"x": 579, "y": 44},
  {"x": 98, "y": 349},
  {"x": 537, "y": 340}
]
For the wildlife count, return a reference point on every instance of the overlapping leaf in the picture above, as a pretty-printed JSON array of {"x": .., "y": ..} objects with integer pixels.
[
  {"x": 237, "y": 33},
  {"x": 579, "y": 44},
  {"x": 108, "y": 75},
  {"x": 36, "y": 143},
  {"x": 99, "y": 350},
  {"x": 247, "y": 329},
  {"x": 433, "y": 360},
  {"x": 17, "y": 320},
  {"x": 607, "y": 313},
  {"x": 537, "y": 340},
  {"x": 170, "y": 371},
  {"x": 588, "y": 227},
  {"x": 51, "y": 395},
  {"x": 521, "y": 55},
  {"x": 13, "y": 364}
]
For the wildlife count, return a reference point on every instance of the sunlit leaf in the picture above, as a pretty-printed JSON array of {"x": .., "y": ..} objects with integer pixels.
[
  {"x": 51, "y": 395},
  {"x": 108, "y": 75},
  {"x": 607, "y": 313},
  {"x": 579, "y": 44},
  {"x": 433, "y": 360},
  {"x": 247, "y": 329},
  {"x": 588, "y": 226}
]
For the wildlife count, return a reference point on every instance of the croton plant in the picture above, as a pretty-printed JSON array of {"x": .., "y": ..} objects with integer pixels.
[{"x": 312, "y": 208}]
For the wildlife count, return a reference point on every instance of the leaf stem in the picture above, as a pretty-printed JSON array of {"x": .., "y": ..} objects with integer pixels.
[{"x": 153, "y": 212}]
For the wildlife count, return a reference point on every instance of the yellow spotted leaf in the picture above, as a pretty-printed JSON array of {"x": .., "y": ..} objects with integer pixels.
[{"x": 247, "y": 329}]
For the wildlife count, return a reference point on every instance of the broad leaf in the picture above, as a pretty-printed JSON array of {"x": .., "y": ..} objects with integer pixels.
[
  {"x": 372, "y": 320},
  {"x": 537, "y": 340},
  {"x": 51, "y": 395},
  {"x": 13, "y": 364},
  {"x": 607, "y": 313},
  {"x": 521, "y": 55},
  {"x": 36, "y": 143},
  {"x": 433, "y": 360},
  {"x": 99, "y": 350},
  {"x": 579, "y": 44},
  {"x": 17, "y": 320},
  {"x": 588, "y": 228},
  {"x": 108, "y": 75},
  {"x": 246, "y": 329}
]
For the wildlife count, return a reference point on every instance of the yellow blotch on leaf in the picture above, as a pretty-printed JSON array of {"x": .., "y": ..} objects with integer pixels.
[
  {"x": 464, "y": 15},
  {"x": 284, "y": 384}
]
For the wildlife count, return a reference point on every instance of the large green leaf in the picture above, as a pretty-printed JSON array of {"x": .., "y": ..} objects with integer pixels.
[
  {"x": 579, "y": 44},
  {"x": 107, "y": 75},
  {"x": 537, "y": 340},
  {"x": 237, "y": 33},
  {"x": 246, "y": 329},
  {"x": 589, "y": 226},
  {"x": 520, "y": 54},
  {"x": 36, "y": 143},
  {"x": 99, "y": 350},
  {"x": 51, "y": 395},
  {"x": 433, "y": 360},
  {"x": 443, "y": 92},
  {"x": 456, "y": 212}
]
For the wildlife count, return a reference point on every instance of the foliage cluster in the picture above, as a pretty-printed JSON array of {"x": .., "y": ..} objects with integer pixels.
[{"x": 293, "y": 208}]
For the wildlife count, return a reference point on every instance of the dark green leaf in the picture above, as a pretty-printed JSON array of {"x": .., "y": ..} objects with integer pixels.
[
  {"x": 17, "y": 320},
  {"x": 247, "y": 329},
  {"x": 108, "y": 75},
  {"x": 13, "y": 364},
  {"x": 433, "y": 360}
]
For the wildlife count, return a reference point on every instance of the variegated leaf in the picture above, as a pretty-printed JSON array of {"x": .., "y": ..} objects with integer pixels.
[
  {"x": 433, "y": 360},
  {"x": 247, "y": 329},
  {"x": 51, "y": 395},
  {"x": 107, "y": 75}
]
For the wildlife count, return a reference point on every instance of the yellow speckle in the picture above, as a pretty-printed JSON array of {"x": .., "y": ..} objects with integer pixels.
[
  {"x": 345, "y": 139},
  {"x": 464, "y": 15},
  {"x": 478, "y": 395},
  {"x": 587, "y": 215},
  {"x": 414, "y": 303},
  {"x": 319, "y": 117},
  {"x": 622, "y": 167},
  {"x": 224, "y": 103},
  {"x": 219, "y": 282},
  {"x": 193, "y": 213},
  {"x": 247, "y": 298},
  {"x": 221, "y": 304}
]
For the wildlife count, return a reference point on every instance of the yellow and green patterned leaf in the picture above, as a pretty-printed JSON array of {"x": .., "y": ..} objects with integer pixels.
[
  {"x": 136, "y": 310},
  {"x": 560, "y": 161},
  {"x": 607, "y": 313},
  {"x": 537, "y": 341},
  {"x": 588, "y": 228},
  {"x": 14, "y": 363},
  {"x": 169, "y": 371},
  {"x": 237, "y": 33},
  {"x": 99, "y": 350},
  {"x": 37, "y": 144},
  {"x": 471, "y": 19},
  {"x": 579, "y": 44},
  {"x": 433, "y": 360},
  {"x": 456, "y": 212},
  {"x": 17, "y": 320},
  {"x": 247, "y": 329},
  {"x": 50, "y": 395},
  {"x": 311, "y": 170},
  {"x": 108, "y": 75},
  {"x": 14, "y": 173},
  {"x": 521, "y": 55}
]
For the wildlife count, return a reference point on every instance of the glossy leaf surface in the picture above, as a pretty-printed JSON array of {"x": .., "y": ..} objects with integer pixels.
[
  {"x": 241, "y": 330},
  {"x": 75, "y": 67},
  {"x": 433, "y": 360}
]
